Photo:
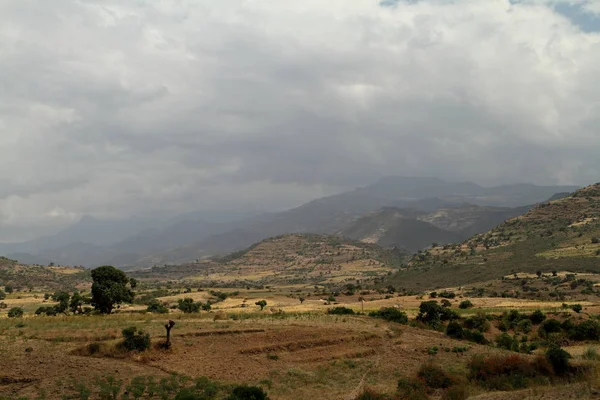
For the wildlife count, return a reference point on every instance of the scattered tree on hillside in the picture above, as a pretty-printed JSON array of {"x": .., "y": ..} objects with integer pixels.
[
  {"x": 262, "y": 304},
  {"x": 301, "y": 299},
  {"x": 109, "y": 288},
  {"x": 77, "y": 302},
  {"x": 8, "y": 289},
  {"x": 63, "y": 301}
]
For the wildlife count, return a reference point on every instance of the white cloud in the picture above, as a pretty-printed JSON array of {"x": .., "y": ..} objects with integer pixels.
[{"x": 113, "y": 107}]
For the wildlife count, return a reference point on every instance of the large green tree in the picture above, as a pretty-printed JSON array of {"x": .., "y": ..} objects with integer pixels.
[{"x": 109, "y": 288}]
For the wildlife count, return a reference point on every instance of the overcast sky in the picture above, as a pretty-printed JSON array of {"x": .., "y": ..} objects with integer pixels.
[{"x": 114, "y": 108}]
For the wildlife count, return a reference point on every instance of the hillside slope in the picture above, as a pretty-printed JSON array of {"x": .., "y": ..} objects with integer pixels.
[
  {"x": 559, "y": 235},
  {"x": 415, "y": 229},
  {"x": 290, "y": 259}
]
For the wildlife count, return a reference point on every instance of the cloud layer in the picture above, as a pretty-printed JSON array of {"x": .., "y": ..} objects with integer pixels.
[{"x": 118, "y": 107}]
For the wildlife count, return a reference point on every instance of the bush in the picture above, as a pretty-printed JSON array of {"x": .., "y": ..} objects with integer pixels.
[
  {"x": 188, "y": 305},
  {"x": 15, "y": 312},
  {"x": 455, "y": 330},
  {"x": 587, "y": 330},
  {"x": 155, "y": 306},
  {"x": 507, "y": 372},
  {"x": 2, "y": 295},
  {"x": 507, "y": 342},
  {"x": 591, "y": 354},
  {"x": 244, "y": 392},
  {"x": 465, "y": 304},
  {"x": 537, "y": 317},
  {"x": 390, "y": 314},
  {"x": 49, "y": 311},
  {"x": 412, "y": 389},
  {"x": 577, "y": 308},
  {"x": 434, "y": 377},
  {"x": 549, "y": 326},
  {"x": 559, "y": 359},
  {"x": 446, "y": 303},
  {"x": 525, "y": 326},
  {"x": 340, "y": 311},
  {"x": 478, "y": 322},
  {"x": 447, "y": 295},
  {"x": 595, "y": 240},
  {"x": 135, "y": 340}
]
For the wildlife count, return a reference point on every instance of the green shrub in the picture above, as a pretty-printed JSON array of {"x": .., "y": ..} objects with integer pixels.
[
  {"x": 244, "y": 392},
  {"x": 340, "y": 311},
  {"x": 15, "y": 312},
  {"x": 455, "y": 330},
  {"x": 390, "y": 314},
  {"x": 559, "y": 359},
  {"x": 549, "y": 326},
  {"x": 537, "y": 317},
  {"x": 478, "y": 322},
  {"x": 49, "y": 311},
  {"x": 587, "y": 330},
  {"x": 447, "y": 295},
  {"x": 577, "y": 308},
  {"x": 507, "y": 342},
  {"x": 155, "y": 306},
  {"x": 135, "y": 339},
  {"x": 525, "y": 325},
  {"x": 434, "y": 377},
  {"x": 465, "y": 304},
  {"x": 188, "y": 305}
]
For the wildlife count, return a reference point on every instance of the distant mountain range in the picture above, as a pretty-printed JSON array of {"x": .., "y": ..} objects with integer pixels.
[{"x": 423, "y": 210}]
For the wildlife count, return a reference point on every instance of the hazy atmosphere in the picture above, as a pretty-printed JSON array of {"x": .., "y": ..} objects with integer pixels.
[{"x": 120, "y": 108}]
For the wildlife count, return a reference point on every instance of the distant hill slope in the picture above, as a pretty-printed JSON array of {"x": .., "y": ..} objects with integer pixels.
[
  {"x": 22, "y": 277},
  {"x": 290, "y": 259},
  {"x": 414, "y": 229},
  {"x": 560, "y": 234}
]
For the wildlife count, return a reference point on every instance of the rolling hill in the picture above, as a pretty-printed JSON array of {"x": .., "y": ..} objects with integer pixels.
[
  {"x": 561, "y": 234},
  {"x": 289, "y": 259}
]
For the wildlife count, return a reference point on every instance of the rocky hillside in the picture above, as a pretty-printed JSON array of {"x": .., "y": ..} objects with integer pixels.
[{"x": 558, "y": 235}]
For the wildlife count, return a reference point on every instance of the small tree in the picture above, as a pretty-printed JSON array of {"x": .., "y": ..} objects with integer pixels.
[
  {"x": 63, "y": 301},
  {"x": 15, "y": 312},
  {"x": 301, "y": 300},
  {"x": 2, "y": 295},
  {"x": 559, "y": 359},
  {"x": 8, "y": 289},
  {"x": 538, "y": 273},
  {"x": 188, "y": 305},
  {"x": 262, "y": 304},
  {"x": 109, "y": 288}
]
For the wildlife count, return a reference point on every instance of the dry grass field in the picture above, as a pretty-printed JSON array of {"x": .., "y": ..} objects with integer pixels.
[{"x": 292, "y": 350}]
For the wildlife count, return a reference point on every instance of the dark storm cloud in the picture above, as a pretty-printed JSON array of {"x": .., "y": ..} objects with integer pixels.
[{"x": 113, "y": 108}]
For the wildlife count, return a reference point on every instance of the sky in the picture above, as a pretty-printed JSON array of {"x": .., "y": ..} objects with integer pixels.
[{"x": 119, "y": 107}]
